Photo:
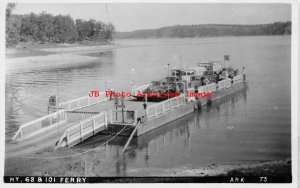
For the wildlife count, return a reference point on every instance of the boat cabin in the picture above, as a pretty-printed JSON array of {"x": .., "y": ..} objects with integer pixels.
[
  {"x": 186, "y": 75},
  {"x": 171, "y": 79},
  {"x": 177, "y": 72}
]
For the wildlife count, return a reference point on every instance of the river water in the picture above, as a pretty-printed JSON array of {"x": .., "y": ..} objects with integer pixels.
[{"x": 260, "y": 115}]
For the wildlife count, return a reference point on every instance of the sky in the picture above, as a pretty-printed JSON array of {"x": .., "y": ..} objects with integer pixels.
[{"x": 135, "y": 16}]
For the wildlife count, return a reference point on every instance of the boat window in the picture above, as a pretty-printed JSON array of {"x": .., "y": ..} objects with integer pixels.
[
  {"x": 184, "y": 73},
  {"x": 188, "y": 74}
]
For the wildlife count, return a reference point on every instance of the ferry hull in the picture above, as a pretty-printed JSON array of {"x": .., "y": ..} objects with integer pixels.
[{"x": 186, "y": 109}]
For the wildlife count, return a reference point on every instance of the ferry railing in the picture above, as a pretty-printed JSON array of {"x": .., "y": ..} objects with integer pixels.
[
  {"x": 224, "y": 84},
  {"x": 237, "y": 79},
  {"x": 82, "y": 102},
  {"x": 167, "y": 106},
  {"x": 164, "y": 106},
  {"x": 39, "y": 125},
  {"x": 125, "y": 116},
  {"x": 174, "y": 102},
  {"x": 83, "y": 130},
  {"x": 208, "y": 88}
]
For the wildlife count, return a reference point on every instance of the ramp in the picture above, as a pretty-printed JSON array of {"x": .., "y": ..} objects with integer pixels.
[{"x": 83, "y": 130}]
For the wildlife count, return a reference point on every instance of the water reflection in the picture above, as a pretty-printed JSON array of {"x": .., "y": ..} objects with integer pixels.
[{"x": 27, "y": 90}]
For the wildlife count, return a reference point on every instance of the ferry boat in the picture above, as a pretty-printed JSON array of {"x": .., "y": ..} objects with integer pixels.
[
  {"x": 81, "y": 118},
  {"x": 183, "y": 80}
]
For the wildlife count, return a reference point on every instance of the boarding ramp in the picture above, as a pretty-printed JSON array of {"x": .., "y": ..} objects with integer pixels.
[
  {"x": 63, "y": 117},
  {"x": 83, "y": 130},
  {"x": 40, "y": 125}
]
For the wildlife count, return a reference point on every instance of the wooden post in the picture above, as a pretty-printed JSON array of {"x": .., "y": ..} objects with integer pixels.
[
  {"x": 21, "y": 132},
  {"x": 147, "y": 112},
  {"x": 111, "y": 121},
  {"x": 129, "y": 139},
  {"x": 65, "y": 115},
  {"x": 68, "y": 138},
  {"x": 135, "y": 116},
  {"x": 105, "y": 119},
  {"x": 94, "y": 126},
  {"x": 81, "y": 138}
]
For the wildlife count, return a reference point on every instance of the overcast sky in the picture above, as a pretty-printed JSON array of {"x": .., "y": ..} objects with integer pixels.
[{"x": 133, "y": 16}]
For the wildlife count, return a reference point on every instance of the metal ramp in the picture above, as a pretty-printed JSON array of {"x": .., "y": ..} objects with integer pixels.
[
  {"x": 63, "y": 117},
  {"x": 83, "y": 130}
]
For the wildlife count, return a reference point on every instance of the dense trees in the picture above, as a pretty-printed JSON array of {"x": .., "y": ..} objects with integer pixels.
[
  {"x": 277, "y": 28},
  {"x": 45, "y": 27}
]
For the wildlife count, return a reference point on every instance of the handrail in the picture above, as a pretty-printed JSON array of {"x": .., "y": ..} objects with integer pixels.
[
  {"x": 85, "y": 121},
  {"x": 88, "y": 100},
  {"x": 153, "y": 111},
  {"x": 237, "y": 79},
  {"x": 80, "y": 124},
  {"x": 37, "y": 121},
  {"x": 73, "y": 100}
]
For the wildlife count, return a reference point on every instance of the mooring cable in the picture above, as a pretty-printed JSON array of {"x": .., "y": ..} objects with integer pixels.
[
  {"x": 87, "y": 143},
  {"x": 11, "y": 131}
]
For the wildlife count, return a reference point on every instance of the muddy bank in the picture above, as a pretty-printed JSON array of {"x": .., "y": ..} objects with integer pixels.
[
  {"x": 269, "y": 168},
  {"x": 93, "y": 163}
]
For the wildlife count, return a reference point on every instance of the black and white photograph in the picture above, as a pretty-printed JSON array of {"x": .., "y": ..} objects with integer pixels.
[{"x": 150, "y": 92}]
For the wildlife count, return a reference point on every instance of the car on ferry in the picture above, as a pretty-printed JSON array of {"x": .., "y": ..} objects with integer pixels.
[{"x": 195, "y": 81}]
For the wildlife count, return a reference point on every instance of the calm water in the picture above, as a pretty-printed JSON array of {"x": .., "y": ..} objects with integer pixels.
[{"x": 261, "y": 115}]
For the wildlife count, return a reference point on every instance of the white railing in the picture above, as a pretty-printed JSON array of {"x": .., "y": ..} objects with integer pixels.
[
  {"x": 237, "y": 79},
  {"x": 83, "y": 130},
  {"x": 83, "y": 102},
  {"x": 208, "y": 88},
  {"x": 41, "y": 124},
  {"x": 164, "y": 106},
  {"x": 224, "y": 84}
]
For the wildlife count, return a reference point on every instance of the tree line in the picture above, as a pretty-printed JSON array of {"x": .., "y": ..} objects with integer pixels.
[
  {"x": 210, "y": 30},
  {"x": 45, "y": 27}
]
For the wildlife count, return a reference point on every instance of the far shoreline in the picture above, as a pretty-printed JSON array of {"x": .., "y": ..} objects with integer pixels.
[{"x": 41, "y": 49}]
